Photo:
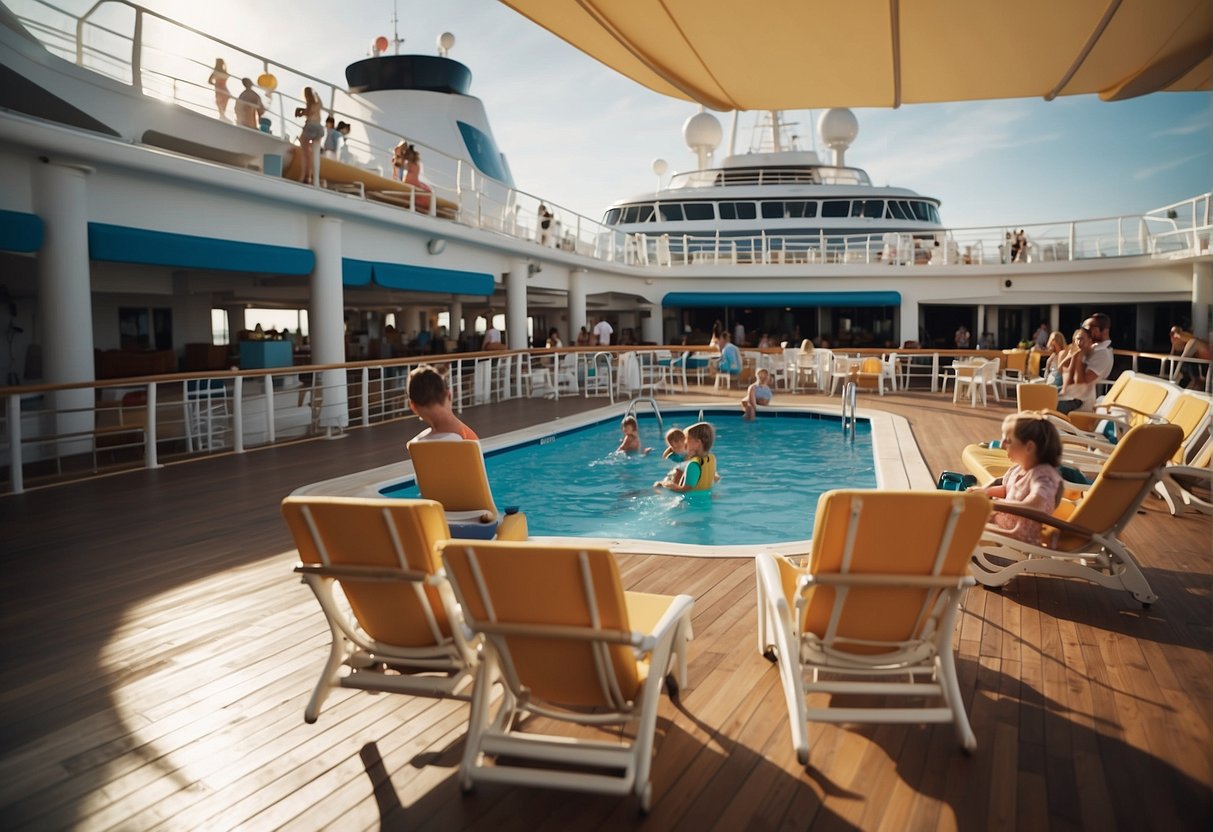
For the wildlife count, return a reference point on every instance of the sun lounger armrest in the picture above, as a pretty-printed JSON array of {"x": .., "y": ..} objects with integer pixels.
[
  {"x": 360, "y": 573},
  {"x": 1045, "y": 519},
  {"x": 1087, "y": 441},
  {"x": 476, "y": 515},
  {"x": 680, "y": 607},
  {"x": 869, "y": 579}
]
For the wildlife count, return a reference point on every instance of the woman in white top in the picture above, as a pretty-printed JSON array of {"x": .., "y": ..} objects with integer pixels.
[{"x": 1077, "y": 380}]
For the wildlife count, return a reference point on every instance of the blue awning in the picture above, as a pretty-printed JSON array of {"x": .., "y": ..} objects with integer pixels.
[
  {"x": 415, "y": 278},
  {"x": 355, "y": 272},
  {"x": 120, "y": 244},
  {"x": 20, "y": 231},
  {"x": 768, "y": 300}
]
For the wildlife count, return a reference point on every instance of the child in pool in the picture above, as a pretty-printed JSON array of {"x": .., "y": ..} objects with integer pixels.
[
  {"x": 1033, "y": 444},
  {"x": 758, "y": 393},
  {"x": 700, "y": 471},
  {"x": 630, "y": 443},
  {"x": 675, "y": 444}
]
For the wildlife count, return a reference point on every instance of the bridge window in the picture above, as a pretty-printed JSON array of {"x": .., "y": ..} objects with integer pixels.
[
  {"x": 737, "y": 211},
  {"x": 699, "y": 211},
  {"x": 671, "y": 212},
  {"x": 835, "y": 207}
]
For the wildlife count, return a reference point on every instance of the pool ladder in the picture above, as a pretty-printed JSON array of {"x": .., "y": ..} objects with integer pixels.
[
  {"x": 652, "y": 402},
  {"x": 850, "y": 393}
]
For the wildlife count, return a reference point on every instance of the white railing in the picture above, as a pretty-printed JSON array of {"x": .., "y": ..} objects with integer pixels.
[
  {"x": 1123, "y": 236},
  {"x": 97, "y": 41},
  {"x": 149, "y": 420}
]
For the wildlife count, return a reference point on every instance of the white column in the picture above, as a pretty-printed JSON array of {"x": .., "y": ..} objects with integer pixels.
[
  {"x": 1202, "y": 298},
  {"x": 1055, "y": 318},
  {"x": 326, "y": 318},
  {"x": 981, "y": 325},
  {"x": 908, "y": 322},
  {"x": 456, "y": 312},
  {"x": 650, "y": 327},
  {"x": 515, "y": 304},
  {"x": 576, "y": 303},
  {"x": 65, "y": 303}
]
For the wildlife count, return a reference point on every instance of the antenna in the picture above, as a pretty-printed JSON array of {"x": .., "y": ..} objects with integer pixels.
[{"x": 396, "y": 39}]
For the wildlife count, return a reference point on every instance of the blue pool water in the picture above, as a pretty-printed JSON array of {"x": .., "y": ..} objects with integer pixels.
[{"x": 572, "y": 484}]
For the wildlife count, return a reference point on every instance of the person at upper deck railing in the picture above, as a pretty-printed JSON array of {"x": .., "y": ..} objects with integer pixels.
[
  {"x": 312, "y": 132},
  {"x": 249, "y": 106},
  {"x": 218, "y": 80}
]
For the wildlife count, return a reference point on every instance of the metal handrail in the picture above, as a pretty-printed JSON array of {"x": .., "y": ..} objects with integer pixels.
[
  {"x": 652, "y": 402},
  {"x": 849, "y": 407}
]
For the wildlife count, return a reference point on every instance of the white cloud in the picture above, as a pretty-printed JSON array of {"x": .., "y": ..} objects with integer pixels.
[{"x": 1153, "y": 170}]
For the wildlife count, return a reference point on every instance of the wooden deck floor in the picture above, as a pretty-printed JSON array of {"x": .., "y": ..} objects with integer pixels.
[{"x": 157, "y": 653}]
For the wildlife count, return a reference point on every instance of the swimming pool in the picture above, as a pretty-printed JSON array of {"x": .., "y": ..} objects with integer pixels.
[{"x": 572, "y": 484}]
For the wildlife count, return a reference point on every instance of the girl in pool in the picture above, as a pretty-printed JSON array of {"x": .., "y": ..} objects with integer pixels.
[
  {"x": 700, "y": 472},
  {"x": 758, "y": 393},
  {"x": 675, "y": 444},
  {"x": 631, "y": 437},
  {"x": 1033, "y": 444}
]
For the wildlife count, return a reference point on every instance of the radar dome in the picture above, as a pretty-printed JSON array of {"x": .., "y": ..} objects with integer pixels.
[
  {"x": 445, "y": 41},
  {"x": 702, "y": 130},
  {"x": 838, "y": 127}
]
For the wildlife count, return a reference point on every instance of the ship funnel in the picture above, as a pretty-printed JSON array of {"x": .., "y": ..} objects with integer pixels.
[
  {"x": 702, "y": 133},
  {"x": 838, "y": 128}
]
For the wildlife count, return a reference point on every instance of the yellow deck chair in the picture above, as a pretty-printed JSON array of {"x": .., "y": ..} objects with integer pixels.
[
  {"x": 876, "y": 601},
  {"x": 1085, "y": 538},
  {"x": 401, "y": 630},
  {"x": 452, "y": 473},
  {"x": 871, "y": 375},
  {"x": 571, "y": 645},
  {"x": 1039, "y": 396}
]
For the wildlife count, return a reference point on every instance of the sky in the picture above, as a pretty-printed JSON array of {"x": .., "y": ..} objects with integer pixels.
[{"x": 580, "y": 136}]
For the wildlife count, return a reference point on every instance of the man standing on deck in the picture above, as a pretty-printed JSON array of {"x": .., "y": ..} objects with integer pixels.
[
  {"x": 603, "y": 332},
  {"x": 1100, "y": 327},
  {"x": 249, "y": 107}
]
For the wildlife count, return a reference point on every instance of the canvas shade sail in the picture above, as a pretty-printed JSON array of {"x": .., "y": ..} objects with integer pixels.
[{"x": 795, "y": 54}]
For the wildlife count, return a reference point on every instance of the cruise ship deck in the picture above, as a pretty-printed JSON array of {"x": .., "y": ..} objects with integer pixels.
[{"x": 158, "y": 652}]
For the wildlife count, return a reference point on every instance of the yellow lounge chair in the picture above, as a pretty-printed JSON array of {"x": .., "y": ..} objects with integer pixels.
[
  {"x": 571, "y": 645},
  {"x": 877, "y": 599},
  {"x": 402, "y": 631},
  {"x": 1085, "y": 537},
  {"x": 452, "y": 473},
  {"x": 1039, "y": 395}
]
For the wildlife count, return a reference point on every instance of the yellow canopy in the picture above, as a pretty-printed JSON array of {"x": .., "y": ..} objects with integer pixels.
[{"x": 792, "y": 54}]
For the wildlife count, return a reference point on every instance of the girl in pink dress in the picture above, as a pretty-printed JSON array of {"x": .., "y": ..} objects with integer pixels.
[{"x": 1033, "y": 481}]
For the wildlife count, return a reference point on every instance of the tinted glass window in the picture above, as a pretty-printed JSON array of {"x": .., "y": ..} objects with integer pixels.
[
  {"x": 612, "y": 216},
  {"x": 922, "y": 210},
  {"x": 835, "y": 207},
  {"x": 808, "y": 209},
  {"x": 737, "y": 211},
  {"x": 484, "y": 152},
  {"x": 893, "y": 210},
  {"x": 699, "y": 211},
  {"x": 629, "y": 214},
  {"x": 645, "y": 213},
  {"x": 671, "y": 212},
  {"x": 934, "y": 212},
  {"x": 772, "y": 210},
  {"x": 873, "y": 208}
]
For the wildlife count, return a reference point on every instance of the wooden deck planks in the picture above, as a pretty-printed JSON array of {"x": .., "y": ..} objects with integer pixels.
[{"x": 158, "y": 652}]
